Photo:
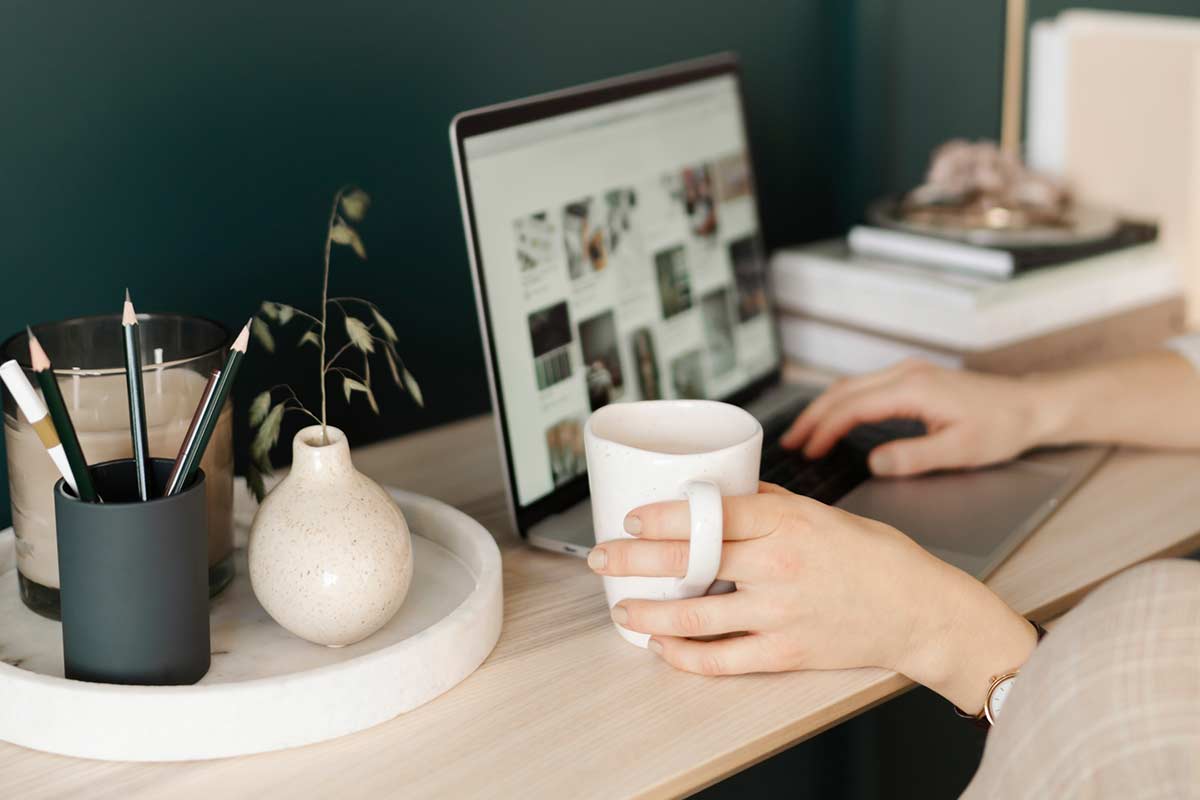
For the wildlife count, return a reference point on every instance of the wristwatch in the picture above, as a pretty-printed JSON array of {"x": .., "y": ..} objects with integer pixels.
[
  {"x": 996, "y": 695},
  {"x": 998, "y": 689}
]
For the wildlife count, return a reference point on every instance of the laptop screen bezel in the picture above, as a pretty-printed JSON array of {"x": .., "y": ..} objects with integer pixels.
[{"x": 506, "y": 115}]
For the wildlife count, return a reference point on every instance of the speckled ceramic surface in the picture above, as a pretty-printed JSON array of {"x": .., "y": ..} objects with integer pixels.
[
  {"x": 267, "y": 689},
  {"x": 330, "y": 557},
  {"x": 655, "y": 450}
]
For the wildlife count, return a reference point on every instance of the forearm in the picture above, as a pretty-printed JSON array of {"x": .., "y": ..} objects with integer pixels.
[{"x": 1151, "y": 400}]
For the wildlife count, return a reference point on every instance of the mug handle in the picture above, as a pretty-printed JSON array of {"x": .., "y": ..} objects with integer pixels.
[{"x": 708, "y": 531}]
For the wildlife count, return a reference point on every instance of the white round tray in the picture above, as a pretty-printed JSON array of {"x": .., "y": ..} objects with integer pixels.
[{"x": 266, "y": 689}]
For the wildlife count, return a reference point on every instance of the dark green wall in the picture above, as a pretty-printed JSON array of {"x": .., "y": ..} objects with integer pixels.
[{"x": 190, "y": 150}]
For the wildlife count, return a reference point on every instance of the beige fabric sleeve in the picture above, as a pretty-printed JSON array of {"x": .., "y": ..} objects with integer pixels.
[
  {"x": 1108, "y": 706},
  {"x": 1187, "y": 346}
]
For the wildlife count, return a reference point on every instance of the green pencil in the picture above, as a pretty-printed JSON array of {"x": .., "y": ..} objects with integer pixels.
[
  {"x": 137, "y": 399},
  {"x": 61, "y": 419},
  {"x": 208, "y": 421}
]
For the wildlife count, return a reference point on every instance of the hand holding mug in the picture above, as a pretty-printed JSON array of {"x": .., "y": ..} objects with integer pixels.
[
  {"x": 817, "y": 588},
  {"x": 639, "y": 453}
]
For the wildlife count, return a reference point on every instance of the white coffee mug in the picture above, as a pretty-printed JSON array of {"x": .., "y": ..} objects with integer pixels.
[{"x": 655, "y": 450}]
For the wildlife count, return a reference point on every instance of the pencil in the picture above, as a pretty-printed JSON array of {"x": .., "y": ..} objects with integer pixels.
[
  {"x": 137, "y": 398},
  {"x": 212, "y": 412},
  {"x": 35, "y": 411},
  {"x": 189, "y": 438},
  {"x": 61, "y": 419}
]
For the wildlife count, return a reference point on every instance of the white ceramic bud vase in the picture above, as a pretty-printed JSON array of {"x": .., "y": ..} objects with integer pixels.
[{"x": 330, "y": 553}]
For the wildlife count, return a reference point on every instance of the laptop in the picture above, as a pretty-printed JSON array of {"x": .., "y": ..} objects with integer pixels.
[{"x": 615, "y": 245}]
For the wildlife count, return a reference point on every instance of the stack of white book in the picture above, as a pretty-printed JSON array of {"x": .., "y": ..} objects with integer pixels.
[{"x": 855, "y": 313}]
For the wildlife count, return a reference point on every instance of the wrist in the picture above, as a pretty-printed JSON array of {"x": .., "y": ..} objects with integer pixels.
[
  {"x": 965, "y": 637},
  {"x": 1049, "y": 404}
]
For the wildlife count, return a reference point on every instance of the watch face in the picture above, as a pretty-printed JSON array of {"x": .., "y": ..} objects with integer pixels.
[{"x": 997, "y": 698}]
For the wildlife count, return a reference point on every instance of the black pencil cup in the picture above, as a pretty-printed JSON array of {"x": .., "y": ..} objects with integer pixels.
[{"x": 134, "y": 580}]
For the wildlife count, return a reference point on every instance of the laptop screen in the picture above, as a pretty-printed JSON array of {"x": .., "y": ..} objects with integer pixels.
[{"x": 621, "y": 260}]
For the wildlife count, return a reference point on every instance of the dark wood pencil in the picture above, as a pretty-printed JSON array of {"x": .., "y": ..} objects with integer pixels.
[
  {"x": 61, "y": 419},
  {"x": 212, "y": 412},
  {"x": 193, "y": 431},
  {"x": 137, "y": 398}
]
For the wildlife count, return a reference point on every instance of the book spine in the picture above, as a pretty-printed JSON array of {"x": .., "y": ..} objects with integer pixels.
[
  {"x": 961, "y": 318},
  {"x": 1046, "y": 117},
  {"x": 1117, "y": 336},
  {"x": 837, "y": 290},
  {"x": 853, "y": 350},
  {"x": 848, "y": 350},
  {"x": 931, "y": 252}
]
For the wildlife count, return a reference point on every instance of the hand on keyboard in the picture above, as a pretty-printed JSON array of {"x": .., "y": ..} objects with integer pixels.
[
  {"x": 831, "y": 476},
  {"x": 968, "y": 419}
]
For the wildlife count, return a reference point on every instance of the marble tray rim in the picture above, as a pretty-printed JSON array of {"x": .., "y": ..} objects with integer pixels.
[
  {"x": 8, "y": 533},
  {"x": 488, "y": 587}
]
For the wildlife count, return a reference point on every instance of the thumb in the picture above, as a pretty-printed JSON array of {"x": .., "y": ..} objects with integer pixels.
[{"x": 941, "y": 450}]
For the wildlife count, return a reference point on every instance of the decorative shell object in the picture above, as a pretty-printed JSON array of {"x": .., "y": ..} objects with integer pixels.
[{"x": 330, "y": 553}]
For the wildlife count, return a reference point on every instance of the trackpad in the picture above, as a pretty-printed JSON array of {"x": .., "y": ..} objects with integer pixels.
[{"x": 974, "y": 513}]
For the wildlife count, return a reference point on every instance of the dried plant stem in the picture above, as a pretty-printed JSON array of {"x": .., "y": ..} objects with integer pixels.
[
  {"x": 340, "y": 300},
  {"x": 295, "y": 399},
  {"x": 336, "y": 355},
  {"x": 337, "y": 198},
  {"x": 304, "y": 410},
  {"x": 305, "y": 314},
  {"x": 348, "y": 371}
]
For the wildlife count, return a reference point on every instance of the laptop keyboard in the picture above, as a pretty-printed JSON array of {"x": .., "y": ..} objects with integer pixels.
[{"x": 831, "y": 477}]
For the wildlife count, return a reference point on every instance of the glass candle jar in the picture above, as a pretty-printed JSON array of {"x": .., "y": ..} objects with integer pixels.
[{"x": 87, "y": 354}]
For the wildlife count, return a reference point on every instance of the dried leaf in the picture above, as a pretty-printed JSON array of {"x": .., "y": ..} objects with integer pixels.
[
  {"x": 341, "y": 233},
  {"x": 371, "y": 400},
  {"x": 268, "y": 435},
  {"x": 256, "y": 473},
  {"x": 388, "y": 331},
  {"x": 259, "y": 408},
  {"x": 355, "y": 205},
  {"x": 410, "y": 383},
  {"x": 391, "y": 359},
  {"x": 254, "y": 482},
  {"x": 263, "y": 334},
  {"x": 360, "y": 335},
  {"x": 285, "y": 313},
  {"x": 309, "y": 336},
  {"x": 263, "y": 465},
  {"x": 271, "y": 310},
  {"x": 350, "y": 385}
]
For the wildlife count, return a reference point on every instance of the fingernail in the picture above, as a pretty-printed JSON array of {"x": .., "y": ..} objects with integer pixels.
[
  {"x": 597, "y": 559},
  {"x": 619, "y": 615},
  {"x": 882, "y": 462},
  {"x": 633, "y": 525},
  {"x": 656, "y": 646}
]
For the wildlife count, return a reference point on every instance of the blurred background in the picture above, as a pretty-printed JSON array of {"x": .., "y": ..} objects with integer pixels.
[{"x": 190, "y": 151}]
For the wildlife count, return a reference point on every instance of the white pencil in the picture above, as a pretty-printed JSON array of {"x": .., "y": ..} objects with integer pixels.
[{"x": 35, "y": 411}]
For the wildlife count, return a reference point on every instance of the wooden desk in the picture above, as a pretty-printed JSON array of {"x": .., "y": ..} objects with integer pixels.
[{"x": 564, "y": 708}]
